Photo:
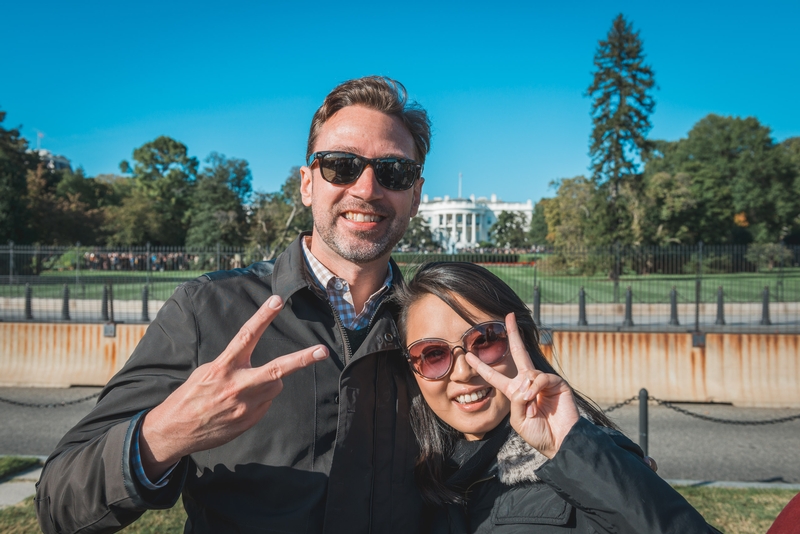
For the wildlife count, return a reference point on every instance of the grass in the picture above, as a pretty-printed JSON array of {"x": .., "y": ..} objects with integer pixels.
[
  {"x": 11, "y": 465},
  {"x": 733, "y": 511},
  {"x": 738, "y": 511}
]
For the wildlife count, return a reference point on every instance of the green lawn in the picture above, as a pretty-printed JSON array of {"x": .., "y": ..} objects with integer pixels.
[
  {"x": 10, "y": 465},
  {"x": 784, "y": 285},
  {"x": 733, "y": 511}
]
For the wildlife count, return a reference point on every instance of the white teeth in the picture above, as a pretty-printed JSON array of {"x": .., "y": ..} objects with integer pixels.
[
  {"x": 361, "y": 217},
  {"x": 472, "y": 397}
]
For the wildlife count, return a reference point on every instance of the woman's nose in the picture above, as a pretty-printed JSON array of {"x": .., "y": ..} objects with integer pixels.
[{"x": 462, "y": 371}]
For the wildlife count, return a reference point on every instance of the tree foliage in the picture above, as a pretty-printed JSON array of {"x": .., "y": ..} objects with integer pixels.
[
  {"x": 15, "y": 162},
  {"x": 510, "y": 230},
  {"x": 726, "y": 182},
  {"x": 418, "y": 236},
  {"x": 217, "y": 213},
  {"x": 277, "y": 218}
]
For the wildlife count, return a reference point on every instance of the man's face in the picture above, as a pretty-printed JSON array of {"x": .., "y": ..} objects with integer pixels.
[{"x": 359, "y": 222}]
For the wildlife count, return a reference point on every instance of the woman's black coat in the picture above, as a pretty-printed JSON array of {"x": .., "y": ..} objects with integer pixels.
[{"x": 596, "y": 483}]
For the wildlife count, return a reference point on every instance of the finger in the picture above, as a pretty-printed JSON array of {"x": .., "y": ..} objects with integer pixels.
[
  {"x": 490, "y": 374},
  {"x": 518, "y": 351},
  {"x": 241, "y": 346},
  {"x": 288, "y": 364}
]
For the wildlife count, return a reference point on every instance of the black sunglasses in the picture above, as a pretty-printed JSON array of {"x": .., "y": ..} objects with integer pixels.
[
  {"x": 432, "y": 358},
  {"x": 343, "y": 168}
]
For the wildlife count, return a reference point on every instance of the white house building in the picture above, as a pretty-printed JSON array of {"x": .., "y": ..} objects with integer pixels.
[{"x": 458, "y": 223}]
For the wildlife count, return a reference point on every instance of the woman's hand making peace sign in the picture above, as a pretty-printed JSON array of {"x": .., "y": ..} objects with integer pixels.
[{"x": 543, "y": 408}]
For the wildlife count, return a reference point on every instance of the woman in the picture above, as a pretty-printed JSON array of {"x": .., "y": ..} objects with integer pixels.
[{"x": 506, "y": 445}]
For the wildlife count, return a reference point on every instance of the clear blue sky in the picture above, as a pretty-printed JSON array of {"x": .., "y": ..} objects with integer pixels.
[{"x": 503, "y": 82}]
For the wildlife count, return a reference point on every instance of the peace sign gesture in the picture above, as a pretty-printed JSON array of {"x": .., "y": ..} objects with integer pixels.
[{"x": 543, "y": 408}]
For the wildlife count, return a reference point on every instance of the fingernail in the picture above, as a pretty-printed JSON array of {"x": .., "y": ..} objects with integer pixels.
[
  {"x": 525, "y": 385},
  {"x": 529, "y": 395},
  {"x": 275, "y": 302},
  {"x": 319, "y": 354}
]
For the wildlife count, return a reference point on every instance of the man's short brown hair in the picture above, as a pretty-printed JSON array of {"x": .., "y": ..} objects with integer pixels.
[{"x": 381, "y": 94}]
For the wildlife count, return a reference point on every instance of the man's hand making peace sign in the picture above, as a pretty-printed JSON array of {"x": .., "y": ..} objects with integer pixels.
[{"x": 221, "y": 399}]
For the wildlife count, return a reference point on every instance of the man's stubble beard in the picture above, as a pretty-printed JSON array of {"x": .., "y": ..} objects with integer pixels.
[{"x": 359, "y": 247}]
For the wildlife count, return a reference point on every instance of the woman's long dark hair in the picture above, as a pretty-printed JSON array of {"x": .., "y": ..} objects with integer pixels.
[{"x": 476, "y": 285}]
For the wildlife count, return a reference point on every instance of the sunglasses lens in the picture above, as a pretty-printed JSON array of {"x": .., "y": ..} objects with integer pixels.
[
  {"x": 396, "y": 175},
  {"x": 488, "y": 342},
  {"x": 338, "y": 168},
  {"x": 430, "y": 359}
]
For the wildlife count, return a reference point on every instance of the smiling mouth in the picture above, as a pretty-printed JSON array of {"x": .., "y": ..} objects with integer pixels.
[
  {"x": 472, "y": 397},
  {"x": 362, "y": 217}
]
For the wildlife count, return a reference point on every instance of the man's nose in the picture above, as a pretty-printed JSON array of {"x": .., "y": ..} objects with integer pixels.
[{"x": 367, "y": 186}]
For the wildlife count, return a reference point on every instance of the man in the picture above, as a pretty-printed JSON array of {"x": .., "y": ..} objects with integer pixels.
[{"x": 272, "y": 398}]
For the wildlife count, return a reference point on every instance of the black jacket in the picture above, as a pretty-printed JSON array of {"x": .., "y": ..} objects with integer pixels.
[
  {"x": 596, "y": 483},
  {"x": 333, "y": 454}
]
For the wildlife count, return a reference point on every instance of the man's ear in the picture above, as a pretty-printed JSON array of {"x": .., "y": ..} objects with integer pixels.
[
  {"x": 306, "y": 185},
  {"x": 417, "y": 196}
]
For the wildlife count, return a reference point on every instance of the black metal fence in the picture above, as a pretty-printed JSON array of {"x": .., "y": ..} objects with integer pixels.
[{"x": 702, "y": 288}]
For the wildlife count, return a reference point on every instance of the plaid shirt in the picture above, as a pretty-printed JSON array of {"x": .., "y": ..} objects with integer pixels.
[{"x": 338, "y": 291}]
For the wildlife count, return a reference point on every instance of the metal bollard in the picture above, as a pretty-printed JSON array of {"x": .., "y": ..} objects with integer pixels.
[
  {"x": 28, "y": 302},
  {"x": 673, "y": 307},
  {"x": 104, "y": 304},
  {"x": 643, "y": 420},
  {"x": 65, "y": 304},
  {"x": 145, "y": 292},
  {"x": 720, "y": 307},
  {"x": 628, "y": 307},
  {"x": 537, "y": 304},
  {"x": 582, "y": 308},
  {"x": 765, "y": 307}
]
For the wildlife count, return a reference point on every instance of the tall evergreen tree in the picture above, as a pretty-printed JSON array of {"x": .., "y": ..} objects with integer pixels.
[
  {"x": 15, "y": 162},
  {"x": 621, "y": 108}
]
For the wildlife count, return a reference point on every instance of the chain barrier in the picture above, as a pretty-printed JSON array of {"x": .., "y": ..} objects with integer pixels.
[
  {"x": 671, "y": 406},
  {"x": 620, "y": 404},
  {"x": 49, "y": 405}
]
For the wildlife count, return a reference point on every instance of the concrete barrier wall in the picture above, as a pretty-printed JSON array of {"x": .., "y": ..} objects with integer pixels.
[
  {"x": 744, "y": 369},
  {"x": 63, "y": 354}
]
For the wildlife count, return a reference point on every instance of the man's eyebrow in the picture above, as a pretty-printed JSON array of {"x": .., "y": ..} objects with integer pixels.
[{"x": 354, "y": 150}]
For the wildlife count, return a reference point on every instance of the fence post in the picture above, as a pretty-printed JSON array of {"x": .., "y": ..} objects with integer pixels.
[
  {"x": 698, "y": 287},
  {"x": 145, "y": 295},
  {"x": 147, "y": 264},
  {"x": 673, "y": 307},
  {"x": 218, "y": 255},
  {"x": 537, "y": 303},
  {"x": 65, "y": 303},
  {"x": 110, "y": 302},
  {"x": 10, "y": 265},
  {"x": 77, "y": 264},
  {"x": 616, "y": 272},
  {"x": 582, "y": 307},
  {"x": 104, "y": 304},
  {"x": 720, "y": 307},
  {"x": 643, "y": 420},
  {"x": 765, "y": 307},
  {"x": 628, "y": 307},
  {"x": 28, "y": 302}
]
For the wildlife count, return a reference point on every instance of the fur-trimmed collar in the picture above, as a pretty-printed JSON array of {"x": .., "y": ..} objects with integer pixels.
[{"x": 517, "y": 461}]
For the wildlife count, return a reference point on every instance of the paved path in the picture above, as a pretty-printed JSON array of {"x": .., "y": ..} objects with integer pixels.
[{"x": 686, "y": 449}]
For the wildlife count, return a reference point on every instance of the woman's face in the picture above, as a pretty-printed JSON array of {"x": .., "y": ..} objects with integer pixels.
[{"x": 431, "y": 317}]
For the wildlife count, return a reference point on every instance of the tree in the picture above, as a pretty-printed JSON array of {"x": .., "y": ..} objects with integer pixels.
[
  {"x": 163, "y": 177},
  {"x": 217, "y": 213},
  {"x": 15, "y": 162},
  {"x": 621, "y": 109},
  {"x": 576, "y": 215},
  {"x": 510, "y": 230},
  {"x": 537, "y": 235},
  {"x": 740, "y": 181},
  {"x": 277, "y": 218},
  {"x": 418, "y": 237}
]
